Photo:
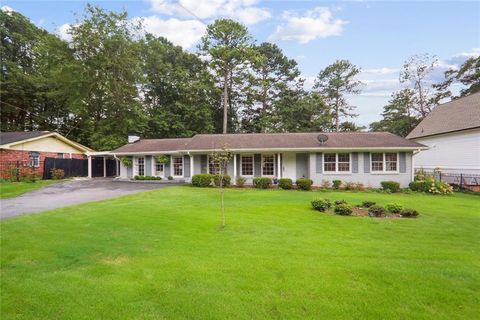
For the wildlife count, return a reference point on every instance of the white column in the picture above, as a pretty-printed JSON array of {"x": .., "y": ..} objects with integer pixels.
[
  {"x": 234, "y": 168},
  {"x": 104, "y": 167},
  {"x": 279, "y": 166},
  {"x": 89, "y": 166},
  {"x": 191, "y": 166}
]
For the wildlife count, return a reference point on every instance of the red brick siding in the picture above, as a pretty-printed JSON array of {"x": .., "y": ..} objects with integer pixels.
[{"x": 23, "y": 156}]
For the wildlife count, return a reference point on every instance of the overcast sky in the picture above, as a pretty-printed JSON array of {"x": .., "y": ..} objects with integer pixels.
[{"x": 377, "y": 36}]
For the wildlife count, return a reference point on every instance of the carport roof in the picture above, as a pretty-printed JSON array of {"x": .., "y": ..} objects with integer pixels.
[{"x": 259, "y": 141}]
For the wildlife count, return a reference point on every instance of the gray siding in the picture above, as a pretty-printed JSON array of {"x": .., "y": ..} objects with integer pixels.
[
  {"x": 257, "y": 163},
  {"x": 302, "y": 165},
  {"x": 319, "y": 163},
  {"x": 130, "y": 172},
  {"x": 186, "y": 166},
  {"x": 148, "y": 165},
  {"x": 197, "y": 168},
  {"x": 238, "y": 164},
  {"x": 167, "y": 168},
  {"x": 366, "y": 162},
  {"x": 402, "y": 162},
  {"x": 368, "y": 179},
  {"x": 354, "y": 162}
]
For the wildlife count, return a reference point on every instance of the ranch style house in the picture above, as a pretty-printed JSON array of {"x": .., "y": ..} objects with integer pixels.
[{"x": 363, "y": 157}]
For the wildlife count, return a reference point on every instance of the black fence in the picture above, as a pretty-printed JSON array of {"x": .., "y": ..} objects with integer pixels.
[
  {"x": 71, "y": 167},
  {"x": 462, "y": 180}
]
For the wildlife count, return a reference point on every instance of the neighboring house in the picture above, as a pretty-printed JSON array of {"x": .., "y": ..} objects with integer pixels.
[
  {"x": 452, "y": 133},
  {"x": 366, "y": 157},
  {"x": 32, "y": 147}
]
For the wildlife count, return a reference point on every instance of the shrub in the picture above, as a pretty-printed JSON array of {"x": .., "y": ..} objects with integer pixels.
[
  {"x": 343, "y": 209},
  {"x": 202, "y": 180},
  {"x": 170, "y": 178},
  {"x": 394, "y": 207},
  {"x": 409, "y": 213},
  {"x": 430, "y": 185},
  {"x": 391, "y": 186},
  {"x": 127, "y": 161},
  {"x": 57, "y": 174},
  {"x": 240, "y": 181},
  {"x": 321, "y": 204},
  {"x": 417, "y": 186},
  {"x": 338, "y": 202},
  {"x": 376, "y": 211},
  {"x": 285, "y": 183},
  {"x": 304, "y": 184},
  {"x": 326, "y": 184},
  {"x": 350, "y": 186},
  {"x": 262, "y": 183},
  {"x": 147, "y": 178},
  {"x": 226, "y": 180},
  {"x": 368, "y": 204},
  {"x": 337, "y": 184}
]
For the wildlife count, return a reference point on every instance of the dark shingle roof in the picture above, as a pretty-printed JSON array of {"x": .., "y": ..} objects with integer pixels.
[
  {"x": 251, "y": 141},
  {"x": 456, "y": 115},
  {"x": 152, "y": 145},
  {"x": 9, "y": 137}
]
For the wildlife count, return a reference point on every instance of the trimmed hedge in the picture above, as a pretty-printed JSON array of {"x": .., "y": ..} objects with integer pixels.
[
  {"x": 343, "y": 209},
  {"x": 202, "y": 180},
  {"x": 304, "y": 184},
  {"x": 337, "y": 184},
  {"x": 376, "y": 211},
  {"x": 409, "y": 213},
  {"x": 262, "y": 183},
  {"x": 147, "y": 178},
  {"x": 285, "y": 183},
  {"x": 391, "y": 186},
  {"x": 321, "y": 204}
]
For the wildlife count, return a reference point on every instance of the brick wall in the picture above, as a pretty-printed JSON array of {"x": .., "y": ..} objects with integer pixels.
[{"x": 11, "y": 156}]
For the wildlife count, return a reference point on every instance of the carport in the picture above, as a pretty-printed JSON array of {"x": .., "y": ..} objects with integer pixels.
[{"x": 102, "y": 164}]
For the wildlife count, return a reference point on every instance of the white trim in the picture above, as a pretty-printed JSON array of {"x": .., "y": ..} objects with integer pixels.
[
  {"x": 336, "y": 172},
  {"x": 253, "y": 165},
  {"x": 261, "y": 165},
  {"x": 279, "y": 167},
  {"x": 234, "y": 168},
  {"x": 154, "y": 168},
  {"x": 384, "y": 171}
]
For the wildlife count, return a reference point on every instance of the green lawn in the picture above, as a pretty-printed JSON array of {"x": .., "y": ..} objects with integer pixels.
[
  {"x": 14, "y": 189},
  {"x": 161, "y": 255}
]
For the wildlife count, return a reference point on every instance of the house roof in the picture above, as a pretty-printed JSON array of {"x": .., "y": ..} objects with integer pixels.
[
  {"x": 8, "y": 139},
  {"x": 280, "y": 141},
  {"x": 456, "y": 115}
]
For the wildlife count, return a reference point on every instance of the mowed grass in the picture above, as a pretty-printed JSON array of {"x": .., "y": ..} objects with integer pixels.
[
  {"x": 13, "y": 189},
  {"x": 162, "y": 255}
]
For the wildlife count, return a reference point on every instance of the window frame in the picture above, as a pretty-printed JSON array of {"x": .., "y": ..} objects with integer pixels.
[
  {"x": 34, "y": 159},
  {"x": 241, "y": 165},
  {"x": 274, "y": 163},
  {"x": 137, "y": 166},
  {"x": 173, "y": 166},
  {"x": 208, "y": 166},
  {"x": 337, "y": 162},
  {"x": 154, "y": 167},
  {"x": 384, "y": 163}
]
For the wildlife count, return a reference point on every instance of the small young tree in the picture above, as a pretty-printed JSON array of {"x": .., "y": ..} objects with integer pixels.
[{"x": 220, "y": 160}]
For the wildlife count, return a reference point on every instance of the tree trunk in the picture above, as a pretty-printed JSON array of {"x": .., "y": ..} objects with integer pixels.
[{"x": 225, "y": 102}]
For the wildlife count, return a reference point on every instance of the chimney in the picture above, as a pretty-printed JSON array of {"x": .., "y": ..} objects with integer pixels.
[{"x": 133, "y": 137}]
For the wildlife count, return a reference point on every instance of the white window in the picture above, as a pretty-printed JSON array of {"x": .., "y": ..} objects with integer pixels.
[
  {"x": 140, "y": 166},
  {"x": 159, "y": 169},
  {"x": 336, "y": 162},
  {"x": 268, "y": 165},
  {"x": 247, "y": 165},
  {"x": 384, "y": 162},
  {"x": 177, "y": 166},
  {"x": 35, "y": 159},
  {"x": 213, "y": 166}
]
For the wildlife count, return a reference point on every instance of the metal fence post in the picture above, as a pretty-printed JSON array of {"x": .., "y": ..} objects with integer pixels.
[
  {"x": 440, "y": 176},
  {"x": 461, "y": 180}
]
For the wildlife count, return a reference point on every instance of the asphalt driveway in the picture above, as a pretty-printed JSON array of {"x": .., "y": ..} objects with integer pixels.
[{"x": 69, "y": 193}]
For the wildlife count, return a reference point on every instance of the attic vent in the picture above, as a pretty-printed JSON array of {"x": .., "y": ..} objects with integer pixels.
[{"x": 322, "y": 138}]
